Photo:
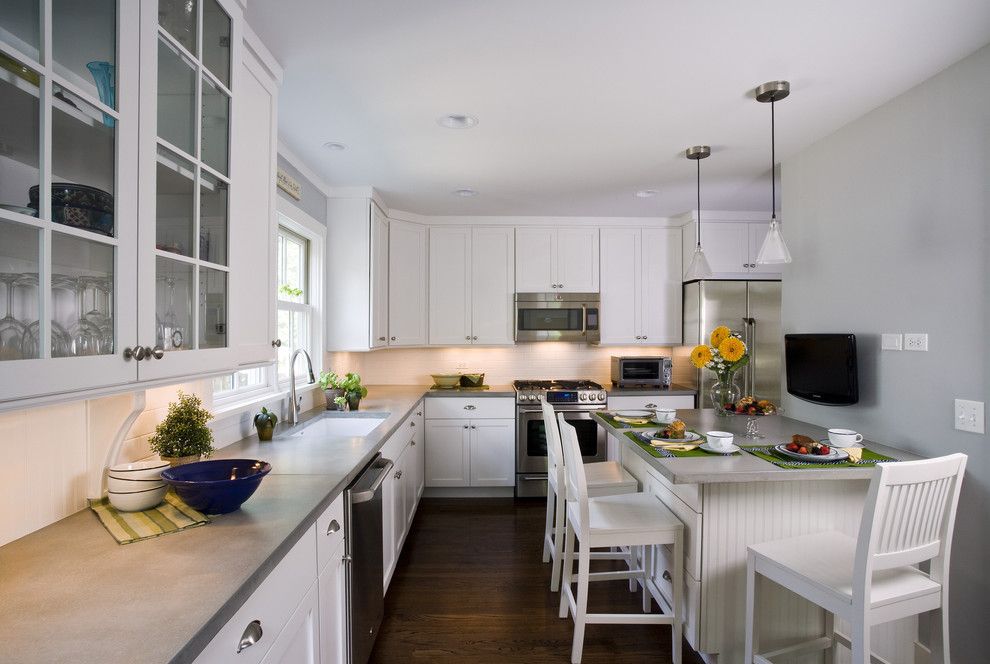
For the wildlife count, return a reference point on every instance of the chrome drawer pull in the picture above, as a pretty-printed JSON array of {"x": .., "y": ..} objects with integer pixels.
[
  {"x": 333, "y": 527},
  {"x": 252, "y": 634},
  {"x": 650, "y": 405},
  {"x": 666, "y": 575},
  {"x": 470, "y": 407}
]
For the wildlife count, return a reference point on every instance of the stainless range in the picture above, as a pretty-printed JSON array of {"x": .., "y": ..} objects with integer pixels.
[{"x": 576, "y": 399}]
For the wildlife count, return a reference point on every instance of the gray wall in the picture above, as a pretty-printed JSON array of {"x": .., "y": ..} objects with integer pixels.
[
  {"x": 887, "y": 220},
  {"x": 313, "y": 202}
]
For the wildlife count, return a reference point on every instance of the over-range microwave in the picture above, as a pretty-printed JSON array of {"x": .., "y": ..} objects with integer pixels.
[{"x": 557, "y": 317}]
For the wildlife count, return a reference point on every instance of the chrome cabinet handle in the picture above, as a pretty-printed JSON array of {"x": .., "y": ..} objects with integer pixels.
[
  {"x": 276, "y": 343},
  {"x": 650, "y": 405},
  {"x": 468, "y": 337},
  {"x": 560, "y": 285},
  {"x": 136, "y": 353},
  {"x": 412, "y": 443},
  {"x": 398, "y": 474},
  {"x": 158, "y": 352},
  {"x": 252, "y": 634},
  {"x": 474, "y": 338},
  {"x": 412, "y": 424},
  {"x": 333, "y": 527},
  {"x": 393, "y": 339},
  {"x": 666, "y": 575},
  {"x": 466, "y": 426},
  {"x": 473, "y": 427},
  {"x": 553, "y": 285},
  {"x": 419, "y": 412},
  {"x": 382, "y": 339},
  {"x": 470, "y": 407}
]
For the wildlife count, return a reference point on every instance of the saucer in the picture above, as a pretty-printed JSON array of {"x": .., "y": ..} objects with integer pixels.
[{"x": 711, "y": 450}]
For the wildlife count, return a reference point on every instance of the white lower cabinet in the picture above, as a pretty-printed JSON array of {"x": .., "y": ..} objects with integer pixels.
[
  {"x": 299, "y": 642},
  {"x": 333, "y": 609},
  {"x": 448, "y": 455},
  {"x": 402, "y": 489},
  {"x": 492, "y": 443},
  {"x": 473, "y": 451}
]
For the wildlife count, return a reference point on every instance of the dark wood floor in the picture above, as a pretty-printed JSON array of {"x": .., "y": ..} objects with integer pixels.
[{"x": 471, "y": 587}]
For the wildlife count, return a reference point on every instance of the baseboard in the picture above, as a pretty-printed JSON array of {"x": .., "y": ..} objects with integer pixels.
[
  {"x": 922, "y": 655},
  {"x": 470, "y": 492}
]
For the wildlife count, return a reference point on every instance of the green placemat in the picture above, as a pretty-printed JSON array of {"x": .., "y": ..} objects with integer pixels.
[
  {"x": 171, "y": 516},
  {"x": 766, "y": 453},
  {"x": 643, "y": 440},
  {"x": 610, "y": 419}
]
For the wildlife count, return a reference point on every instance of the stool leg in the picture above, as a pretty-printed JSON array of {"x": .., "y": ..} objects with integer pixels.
[
  {"x": 581, "y": 609},
  {"x": 677, "y": 628},
  {"x": 833, "y": 657},
  {"x": 860, "y": 640},
  {"x": 547, "y": 544},
  {"x": 940, "y": 634},
  {"x": 632, "y": 566},
  {"x": 647, "y": 571},
  {"x": 751, "y": 637},
  {"x": 558, "y": 540},
  {"x": 565, "y": 587}
]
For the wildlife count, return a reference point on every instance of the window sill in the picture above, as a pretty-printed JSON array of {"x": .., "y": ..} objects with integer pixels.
[{"x": 234, "y": 409}]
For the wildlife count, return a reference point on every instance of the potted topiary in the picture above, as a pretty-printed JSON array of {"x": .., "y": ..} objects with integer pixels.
[
  {"x": 183, "y": 437},
  {"x": 354, "y": 391},
  {"x": 265, "y": 422},
  {"x": 331, "y": 384}
]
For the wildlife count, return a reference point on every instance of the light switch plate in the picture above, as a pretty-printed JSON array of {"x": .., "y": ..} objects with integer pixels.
[
  {"x": 916, "y": 341},
  {"x": 890, "y": 341},
  {"x": 969, "y": 416}
]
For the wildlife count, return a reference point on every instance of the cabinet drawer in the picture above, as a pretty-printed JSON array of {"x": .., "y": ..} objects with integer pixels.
[
  {"x": 641, "y": 469},
  {"x": 692, "y": 593},
  {"x": 271, "y": 604},
  {"x": 329, "y": 531},
  {"x": 650, "y": 401},
  {"x": 467, "y": 408},
  {"x": 690, "y": 519}
]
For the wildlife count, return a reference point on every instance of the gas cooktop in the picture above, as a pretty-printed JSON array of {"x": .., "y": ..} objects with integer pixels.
[{"x": 559, "y": 391}]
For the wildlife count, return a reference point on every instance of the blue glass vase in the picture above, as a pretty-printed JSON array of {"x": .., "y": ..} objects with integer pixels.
[{"x": 103, "y": 74}]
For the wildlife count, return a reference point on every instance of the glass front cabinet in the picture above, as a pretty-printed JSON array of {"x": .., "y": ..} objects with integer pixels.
[{"x": 126, "y": 253}]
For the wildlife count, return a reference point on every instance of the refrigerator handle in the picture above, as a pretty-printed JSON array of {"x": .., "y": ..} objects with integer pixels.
[{"x": 750, "y": 340}]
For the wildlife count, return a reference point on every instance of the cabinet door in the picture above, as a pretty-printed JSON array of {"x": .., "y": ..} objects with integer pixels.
[
  {"x": 333, "y": 609},
  {"x": 299, "y": 642},
  {"x": 448, "y": 461},
  {"x": 536, "y": 260},
  {"x": 389, "y": 542},
  {"x": 399, "y": 513},
  {"x": 407, "y": 275},
  {"x": 493, "y": 452},
  {"x": 577, "y": 260},
  {"x": 661, "y": 286},
  {"x": 620, "y": 286},
  {"x": 492, "y": 286},
  {"x": 758, "y": 233},
  {"x": 450, "y": 286},
  {"x": 379, "y": 278},
  {"x": 726, "y": 247},
  {"x": 419, "y": 452},
  {"x": 412, "y": 471}
]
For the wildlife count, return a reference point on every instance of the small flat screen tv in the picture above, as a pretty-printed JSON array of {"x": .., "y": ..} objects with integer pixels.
[{"x": 821, "y": 368}]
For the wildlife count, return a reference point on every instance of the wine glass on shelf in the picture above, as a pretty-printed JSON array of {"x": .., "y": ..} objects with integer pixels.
[
  {"x": 87, "y": 337},
  {"x": 99, "y": 313},
  {"x": 11, "y": 328},
  {"x": 170, "y": 333}
]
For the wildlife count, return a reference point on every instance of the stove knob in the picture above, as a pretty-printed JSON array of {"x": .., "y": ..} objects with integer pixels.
[
  {"x": 539, "y": 397},
  {"x": 533, "y": 397},
  {"x": 584, "y": 397},
  {"x": 601, "y": 396}
]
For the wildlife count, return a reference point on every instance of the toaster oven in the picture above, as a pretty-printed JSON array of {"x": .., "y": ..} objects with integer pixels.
[{"x": 641, "y": 371}]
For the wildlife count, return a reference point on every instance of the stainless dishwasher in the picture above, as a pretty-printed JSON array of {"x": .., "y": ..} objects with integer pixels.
[{"x": 365, "y": 571}]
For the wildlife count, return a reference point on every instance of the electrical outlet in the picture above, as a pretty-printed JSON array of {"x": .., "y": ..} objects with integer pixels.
[
  {"x": 969, "y": 416},
  {"x": 891, "y": 341},
  {"x": 917, "y": 341}
]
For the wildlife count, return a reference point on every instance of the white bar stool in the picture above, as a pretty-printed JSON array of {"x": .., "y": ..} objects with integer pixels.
[
  {"x": 605, "y": 478},
  {"x": 631, "y": 519},
  {"x": 908, "y": 519}
]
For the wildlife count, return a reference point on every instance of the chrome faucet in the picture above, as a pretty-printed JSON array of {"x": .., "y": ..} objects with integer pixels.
[{"x": 294, "y": 407}]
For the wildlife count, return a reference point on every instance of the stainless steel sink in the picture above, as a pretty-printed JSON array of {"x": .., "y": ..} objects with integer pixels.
[{"x": 340, "y": 426}]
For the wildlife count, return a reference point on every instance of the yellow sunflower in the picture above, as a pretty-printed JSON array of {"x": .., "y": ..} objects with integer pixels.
[
  {"x": 731, "y": 349},
  {"x": 720, "y": 334},
  {"x": 700, "y": 356}
]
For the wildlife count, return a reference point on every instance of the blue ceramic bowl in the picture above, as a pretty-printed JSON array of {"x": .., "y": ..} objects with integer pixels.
[{"x": 216, "y": 487}]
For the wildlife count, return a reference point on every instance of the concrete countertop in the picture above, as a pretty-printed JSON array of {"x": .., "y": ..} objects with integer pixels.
[
  {"x": 673, "y": 390},
  {"x": 492, "y": 391},
  {"x": 70, "y": 593},
  {"x": 746, "y": 467}
]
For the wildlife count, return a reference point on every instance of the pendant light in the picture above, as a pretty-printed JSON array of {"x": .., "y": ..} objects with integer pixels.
[
  {"x": 698, "y": 268},
  {"x": 774, "y": 250}
]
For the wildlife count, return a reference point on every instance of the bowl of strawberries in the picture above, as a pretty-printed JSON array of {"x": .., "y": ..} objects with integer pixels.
[{"x": 752, "y": 407}]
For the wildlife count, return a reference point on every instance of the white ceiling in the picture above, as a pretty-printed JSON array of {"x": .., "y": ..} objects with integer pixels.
[{"x": 581, "y": 102}]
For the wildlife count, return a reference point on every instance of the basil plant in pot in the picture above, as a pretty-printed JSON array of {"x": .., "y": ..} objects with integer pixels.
[
  {"x": 183, "y": 437},
  {"x": 342, "y": 392},
  {"x": 354, "y": 391}
]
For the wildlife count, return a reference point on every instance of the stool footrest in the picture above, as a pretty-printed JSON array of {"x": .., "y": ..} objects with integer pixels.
[
  {"x": 803, "y": 648},
  {"x": 616, "y": 575},
  {"x": 628, "y": 619}
]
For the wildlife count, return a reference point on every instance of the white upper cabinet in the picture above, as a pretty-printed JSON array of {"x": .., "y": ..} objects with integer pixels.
[
  {"x": 641, "y": 286},
  {"x": 379, "y": 278},
  {"x": 556, "y": 260},
  {"x": 471, "y": 281},
  {"x": 407, "y": 275},
  {"x": 731, "y": 248}
]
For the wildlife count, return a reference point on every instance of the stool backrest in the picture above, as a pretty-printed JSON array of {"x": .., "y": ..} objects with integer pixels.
[
  {"x": 909, "y": 516},
  {"x": 575, "y": 480},
  {"x": 555, "y": 454}
]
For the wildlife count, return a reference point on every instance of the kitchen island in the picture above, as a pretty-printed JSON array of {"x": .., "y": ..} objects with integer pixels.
[{"x": 729, "y": 502}]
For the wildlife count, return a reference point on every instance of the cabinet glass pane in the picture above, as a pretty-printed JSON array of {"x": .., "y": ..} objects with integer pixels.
[
  {"x": 82, "y": 297},
  {"x": 213, "y": 219},
  {"x": 19, "y": 136},
  {"x": 84, "y": 42},
  {"x": 174, "y": 209},
  {"x": 173, "y": 310},
  {"x": 176, "y": 98},
  {"x": 293, "y": 330},
  {"x": 83, "y": 146},
  {"x": 20, "y": 25},
  {"x": 19, "y": 281},
  {"x": 178, "y": 17},
  {"x": 212, "y": 308},
  {"x": 216, "y": 41},
  {"x": 216, "y": 117}
]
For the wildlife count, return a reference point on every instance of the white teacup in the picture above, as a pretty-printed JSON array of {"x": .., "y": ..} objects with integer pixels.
[
  {"x": 720, "y": 441},
  {"x": 666, "y": 415},
  {"x": 844, "y": 437}
]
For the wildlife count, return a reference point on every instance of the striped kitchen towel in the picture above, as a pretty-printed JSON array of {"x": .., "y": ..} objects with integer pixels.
[{"x": 169, "y": 517}]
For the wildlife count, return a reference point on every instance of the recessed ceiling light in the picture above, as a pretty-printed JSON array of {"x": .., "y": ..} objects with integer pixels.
[
  {"x": 464, "y": 193},
  {"x": 646, "y": 193},
  {"x": 334, "y": 146},
  {"x": 458, "y": 121}
]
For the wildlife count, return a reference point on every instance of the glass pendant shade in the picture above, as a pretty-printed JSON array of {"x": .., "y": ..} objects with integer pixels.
[
  {"x": 698, "y": 268},
  {"x": 774, "y": 250}
]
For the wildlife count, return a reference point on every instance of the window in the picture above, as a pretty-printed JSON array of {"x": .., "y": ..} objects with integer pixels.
[{"x": 294, "y": 310}]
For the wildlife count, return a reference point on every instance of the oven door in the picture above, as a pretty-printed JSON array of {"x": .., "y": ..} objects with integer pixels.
[{"x": 531, "y": 440}]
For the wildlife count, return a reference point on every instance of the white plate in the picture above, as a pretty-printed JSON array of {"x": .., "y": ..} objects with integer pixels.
[
  {"x": 833, "y": 455},
  {"x": 708, "y": 448},
  {"x": 634, "y": 414},
  {"x": 689, "y": 437}
]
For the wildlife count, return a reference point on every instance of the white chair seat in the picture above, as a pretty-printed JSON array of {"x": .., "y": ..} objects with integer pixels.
[
  {"x": 606, "y": 478},
  {"x": 639, "y": 514},
  {"x": 826, "y": 560}
]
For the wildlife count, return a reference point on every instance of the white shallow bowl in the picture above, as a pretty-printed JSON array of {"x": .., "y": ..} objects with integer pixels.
[
  {"x": 139, "y": 470},
  {"x": 135, "y": 501},
  {"x": 119, "y": 485}
]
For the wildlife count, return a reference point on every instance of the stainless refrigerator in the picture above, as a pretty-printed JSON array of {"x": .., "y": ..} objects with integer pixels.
[{"x": 749, "y": 308}]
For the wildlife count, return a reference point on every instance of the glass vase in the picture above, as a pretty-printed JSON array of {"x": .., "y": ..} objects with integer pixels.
[{"x": 724, "y": 392}]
